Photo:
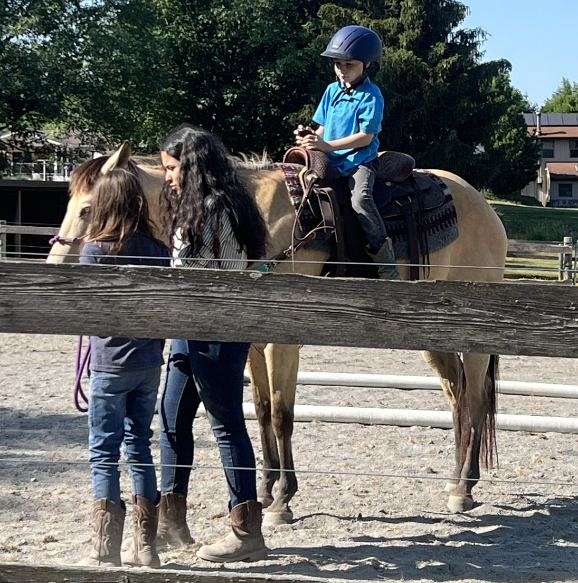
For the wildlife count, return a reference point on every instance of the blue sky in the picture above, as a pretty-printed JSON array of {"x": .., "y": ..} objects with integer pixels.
[{"x": 537, "y": 37}]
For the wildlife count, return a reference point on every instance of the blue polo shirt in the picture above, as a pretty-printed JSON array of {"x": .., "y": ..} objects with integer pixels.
[{"x": 344, "y": 114}]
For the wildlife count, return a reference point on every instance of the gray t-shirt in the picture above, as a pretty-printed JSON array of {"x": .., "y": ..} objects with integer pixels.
[{"x": 116, "y": 353}]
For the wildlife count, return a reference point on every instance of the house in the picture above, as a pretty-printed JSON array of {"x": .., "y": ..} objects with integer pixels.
[
  {"x": 34, "y": 155},
  {"x": 557, "y": 181}
]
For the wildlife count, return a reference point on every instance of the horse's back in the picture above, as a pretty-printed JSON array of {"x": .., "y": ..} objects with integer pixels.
[{"x": 479, "y": 252}]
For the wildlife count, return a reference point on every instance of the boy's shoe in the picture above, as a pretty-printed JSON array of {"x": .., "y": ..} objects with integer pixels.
[
  {"x": 173, "y": 529},
  {"x": 244, "y": 542},
  {"x": 142, "y": 551},
  {"x": 107, "y": 525}
]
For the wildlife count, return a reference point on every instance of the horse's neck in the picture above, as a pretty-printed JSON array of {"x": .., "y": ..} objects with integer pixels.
[
  {"x": 270, "y": 192},
  {"x": 152, "y": 183}
]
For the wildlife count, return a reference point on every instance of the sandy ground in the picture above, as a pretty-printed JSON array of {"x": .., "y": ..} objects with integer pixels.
[{"x": 346, "y": 528}]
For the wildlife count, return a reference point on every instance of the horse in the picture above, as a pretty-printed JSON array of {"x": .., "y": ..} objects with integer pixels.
[{"x": 468, "y": 381}]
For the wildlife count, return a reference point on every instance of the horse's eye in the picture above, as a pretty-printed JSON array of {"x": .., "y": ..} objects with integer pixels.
[{"x": 84, "y": 212}]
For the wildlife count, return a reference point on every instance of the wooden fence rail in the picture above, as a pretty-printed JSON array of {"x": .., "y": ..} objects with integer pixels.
[
  {"x": 22, "y": 573},
  {"x": 153, "y": 302}
]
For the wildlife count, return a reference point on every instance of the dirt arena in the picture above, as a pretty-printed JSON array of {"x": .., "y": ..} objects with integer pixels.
[{"x": 346, "y": 528}]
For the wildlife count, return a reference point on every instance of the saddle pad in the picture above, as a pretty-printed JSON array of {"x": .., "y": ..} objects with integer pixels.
[{"x": 433, "y": 207}]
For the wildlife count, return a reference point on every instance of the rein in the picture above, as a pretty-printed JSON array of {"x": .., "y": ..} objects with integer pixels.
[{"x": 82, "y": 363}]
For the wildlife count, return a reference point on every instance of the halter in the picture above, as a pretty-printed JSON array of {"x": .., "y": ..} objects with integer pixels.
[{"x": 64, "y": 240}]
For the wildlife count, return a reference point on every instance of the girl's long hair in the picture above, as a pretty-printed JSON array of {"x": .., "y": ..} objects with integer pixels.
[
  {"x": 119, "y": 209},
  {"x": 209, "y": 186}
]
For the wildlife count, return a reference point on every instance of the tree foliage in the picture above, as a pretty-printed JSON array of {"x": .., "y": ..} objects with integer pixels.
[
  {"x": 250, "y": 70},
  {"x": 564, "y": 99}
]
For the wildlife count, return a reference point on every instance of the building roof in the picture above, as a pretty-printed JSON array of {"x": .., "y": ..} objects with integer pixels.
[
  {"x": 551, "y": 119},
  {"x": 553, "y": 125},
  {"x": 562, "y": 169},
  {"x": 555, "y": 132}
]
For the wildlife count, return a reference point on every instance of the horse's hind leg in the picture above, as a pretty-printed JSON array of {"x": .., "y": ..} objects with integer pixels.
[
  {"x": 262, "y": 400},
  {"x": 476, "y": 410},
  {"x": 449, "y": 368},
  {"x": 282, "y": 367}
]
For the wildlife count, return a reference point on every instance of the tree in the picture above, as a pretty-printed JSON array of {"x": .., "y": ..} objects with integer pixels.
[
  {"x": 564, "y": 99},
  {"x": 250, "y": 70},
  {"x": 36, "y": 48}
]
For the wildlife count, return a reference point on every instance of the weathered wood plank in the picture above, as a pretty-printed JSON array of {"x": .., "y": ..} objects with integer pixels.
[
  {"x": 537, "y": 247},
  {"x": 28, "y": 230},
  {"x": 21, "y": 573},
  {"x": 253, "y": 307}
]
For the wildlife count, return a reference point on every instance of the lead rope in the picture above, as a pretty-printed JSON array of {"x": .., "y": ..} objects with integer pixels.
[{"x": 82, "y": 362}]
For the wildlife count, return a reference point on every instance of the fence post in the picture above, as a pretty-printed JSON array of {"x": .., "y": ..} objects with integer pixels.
[
  {"x": 575, "y": 264},
  {"x": 2, "y": 239},
  {"x": 566, "y": 261}
]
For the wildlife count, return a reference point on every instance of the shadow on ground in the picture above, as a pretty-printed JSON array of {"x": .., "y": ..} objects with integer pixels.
[{"x": 541, "y": 547}]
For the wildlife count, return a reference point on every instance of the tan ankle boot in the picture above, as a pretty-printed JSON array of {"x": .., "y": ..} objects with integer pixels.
[
  {"x": 107, "y": 525},
  {"x": 173, "y": 529},
  {"x": 143, "y": 550},
  {"x": 244, "y": 542}
]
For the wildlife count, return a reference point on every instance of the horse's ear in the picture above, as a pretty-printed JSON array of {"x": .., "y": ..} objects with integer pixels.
[{"x": 118, "y": 160}]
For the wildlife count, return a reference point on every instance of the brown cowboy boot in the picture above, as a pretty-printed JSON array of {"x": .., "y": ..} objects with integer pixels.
[
  {"x": 143, "y": 550},
  {"x": 244, "y": 542},
  {"x": 107, "y": 525},
  {"x": 173, "y": 529}
]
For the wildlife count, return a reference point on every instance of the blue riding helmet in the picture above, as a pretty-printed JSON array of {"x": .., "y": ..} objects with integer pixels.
[{"x": 355, "y": 42}]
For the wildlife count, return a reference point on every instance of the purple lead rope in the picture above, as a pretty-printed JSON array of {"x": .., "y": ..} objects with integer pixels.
[{"x": 82, "y": 361}]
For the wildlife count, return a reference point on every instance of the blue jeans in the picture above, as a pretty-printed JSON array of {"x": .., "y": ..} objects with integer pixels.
[
  {"x": 211, "y": 373},
  {"x": 361, "y": 186},
  {"x": 121, "y": 409}
]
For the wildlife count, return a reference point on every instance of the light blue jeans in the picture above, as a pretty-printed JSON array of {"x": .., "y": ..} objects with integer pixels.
[{"x": 121, "y": 410}]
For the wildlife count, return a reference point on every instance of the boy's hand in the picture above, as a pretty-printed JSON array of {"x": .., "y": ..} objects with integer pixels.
[
  {"x": 315, "y": 142},
  {"x": 302, "y": 132}
]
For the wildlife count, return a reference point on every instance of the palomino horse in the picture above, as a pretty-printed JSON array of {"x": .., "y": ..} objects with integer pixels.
[{"x": 469, "y": 381}]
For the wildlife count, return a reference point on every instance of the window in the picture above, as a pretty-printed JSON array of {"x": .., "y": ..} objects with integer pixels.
[
  {"x": 573, "y": 148},
  {"x": 565, "y": 190},
  {"x": 547, "y": 148}
]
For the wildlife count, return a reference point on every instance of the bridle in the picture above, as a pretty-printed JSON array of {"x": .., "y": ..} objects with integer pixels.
[{"x": 64, "y": 240}]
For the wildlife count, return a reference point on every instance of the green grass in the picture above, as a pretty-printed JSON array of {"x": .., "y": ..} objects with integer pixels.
[
  {"x": 531, "y": 223},
  {"x": 531, "y": 268}
]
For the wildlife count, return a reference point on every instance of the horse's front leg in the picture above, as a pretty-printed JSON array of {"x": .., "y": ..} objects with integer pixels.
[
  {"x": 257, "y": 366},
  {"x": 282, "y": 366},
  {"x": 476, "y": 413}
]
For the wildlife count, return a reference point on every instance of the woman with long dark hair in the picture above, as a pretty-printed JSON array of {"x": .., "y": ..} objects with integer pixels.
[{"x": 215, "y": 223}]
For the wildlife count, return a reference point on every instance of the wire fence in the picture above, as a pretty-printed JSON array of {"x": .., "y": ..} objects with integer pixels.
[
  {"x": 199, "y": 260},
  {"x": 317, "y": 472}
]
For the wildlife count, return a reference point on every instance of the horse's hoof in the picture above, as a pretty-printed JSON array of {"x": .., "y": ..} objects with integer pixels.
[
  {"x": 272, "y": 518},
  {"x": 450, "y": 486},
  {"x": 459, "y": 504},
  {"x": 266, "y": 501}
]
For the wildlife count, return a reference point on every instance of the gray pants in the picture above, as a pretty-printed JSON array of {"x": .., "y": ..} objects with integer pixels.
[{"x": 361, "y": 186}]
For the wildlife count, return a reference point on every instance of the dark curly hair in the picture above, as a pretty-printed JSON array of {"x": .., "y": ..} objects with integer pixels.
[{"x": 210, "y": 185}]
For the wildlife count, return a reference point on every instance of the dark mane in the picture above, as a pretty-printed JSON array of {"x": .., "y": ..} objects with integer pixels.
[{"x": 84, "y": 177}]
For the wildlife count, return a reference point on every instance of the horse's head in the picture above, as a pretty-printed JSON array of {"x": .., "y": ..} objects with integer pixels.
[{"x": 67, "y": 244}]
